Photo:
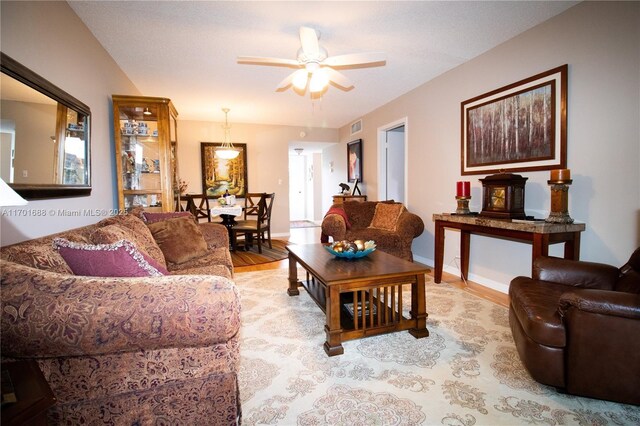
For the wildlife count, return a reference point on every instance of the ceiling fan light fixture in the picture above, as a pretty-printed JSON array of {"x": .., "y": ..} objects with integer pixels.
[
  {"x": 319, "y": 81},
  {"x": 227, "y": 151},
  {"x": 300, "y": 78}
]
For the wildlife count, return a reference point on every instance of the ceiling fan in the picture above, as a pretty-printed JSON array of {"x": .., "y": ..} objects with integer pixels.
[{"x": 316, "y": 68}]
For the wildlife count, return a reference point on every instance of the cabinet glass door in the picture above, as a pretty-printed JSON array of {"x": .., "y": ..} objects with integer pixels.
[
  {"x": 140, "y": 156},
  {"x": 145, "y": 140}
]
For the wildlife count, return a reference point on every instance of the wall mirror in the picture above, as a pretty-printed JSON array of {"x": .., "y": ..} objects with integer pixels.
[{"x": 44, "y": 136}]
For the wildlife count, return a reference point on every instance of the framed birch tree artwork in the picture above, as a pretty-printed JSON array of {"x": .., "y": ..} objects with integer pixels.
[
  {"x": 220, "y": 175},
  {"x": 519, "y": 127}
]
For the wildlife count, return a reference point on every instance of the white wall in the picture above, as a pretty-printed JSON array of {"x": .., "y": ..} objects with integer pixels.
[
  {"x": 600, "y": 43},
  {"x": 50, "y": 39}
]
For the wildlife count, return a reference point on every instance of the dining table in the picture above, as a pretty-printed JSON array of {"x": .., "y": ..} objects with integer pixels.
[{"x": 228, "y": 215}]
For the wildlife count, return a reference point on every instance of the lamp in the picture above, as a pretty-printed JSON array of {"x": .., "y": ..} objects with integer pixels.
[
  {"x": 9, "y": 197},
  {"x": 300, "y": 78},
  {"x": 319, "y": 81},
  {"x": 146, "y": 111},
  {"x": 227, "y": 151},
  {"x": 298, "y": 150},
  {"x": 311, "y": 74}
]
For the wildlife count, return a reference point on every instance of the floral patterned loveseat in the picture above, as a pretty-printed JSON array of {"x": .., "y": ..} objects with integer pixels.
[
  {"x": 389, "y": 224},
  {"x": 120, "y": 350}
]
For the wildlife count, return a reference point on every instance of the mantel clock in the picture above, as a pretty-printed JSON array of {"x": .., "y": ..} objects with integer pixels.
[{"x": 503, "y": 196}]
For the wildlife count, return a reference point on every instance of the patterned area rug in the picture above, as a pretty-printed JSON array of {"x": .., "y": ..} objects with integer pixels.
[
  {"x": 467, "y": 372},
  {"x": 252, "y": 257}
]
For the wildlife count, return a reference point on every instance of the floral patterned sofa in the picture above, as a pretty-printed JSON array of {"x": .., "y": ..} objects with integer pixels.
[{"x": 158, "y": 349}]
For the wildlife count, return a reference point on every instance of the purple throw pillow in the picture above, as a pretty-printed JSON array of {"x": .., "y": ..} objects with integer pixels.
[
  {"x": 150, "y": 217},
  {"x": 120, "y": 259}
]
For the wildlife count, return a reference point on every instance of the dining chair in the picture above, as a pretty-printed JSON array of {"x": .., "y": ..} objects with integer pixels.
[
  {"x": 251, "y": 201},
  {"x": 198, "y": 205},
  {"x": 269, "y": 199},
  {"x": 257, "y": 227}
]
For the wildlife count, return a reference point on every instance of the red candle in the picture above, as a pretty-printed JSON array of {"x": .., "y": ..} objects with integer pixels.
[{"x": 463, "y": 189}]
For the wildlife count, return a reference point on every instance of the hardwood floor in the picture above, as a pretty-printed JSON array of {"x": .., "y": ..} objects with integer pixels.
[
  {"x": 298, "y": 236},
  {"x": 312, "y": 235}
]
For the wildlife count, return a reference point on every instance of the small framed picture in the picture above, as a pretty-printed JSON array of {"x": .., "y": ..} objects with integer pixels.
[{"x": 354, "y": 161}]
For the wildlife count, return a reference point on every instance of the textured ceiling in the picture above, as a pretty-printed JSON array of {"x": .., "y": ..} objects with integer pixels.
[{"x": 187, "y": 50}]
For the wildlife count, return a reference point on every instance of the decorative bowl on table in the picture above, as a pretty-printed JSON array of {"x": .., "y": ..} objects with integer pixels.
[{"x": 351, "y": 249}]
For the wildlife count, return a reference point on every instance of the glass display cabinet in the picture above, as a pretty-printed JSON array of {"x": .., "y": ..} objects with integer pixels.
[{"x": 145, "y": 136}]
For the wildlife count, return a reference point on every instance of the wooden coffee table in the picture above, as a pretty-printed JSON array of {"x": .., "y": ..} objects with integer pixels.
[{"x": 342, "y": 287}]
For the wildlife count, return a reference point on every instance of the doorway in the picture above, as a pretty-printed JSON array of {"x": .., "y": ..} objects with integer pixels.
[
  {"x": 297, "y": 188},
  {"x": 392, "y": 160}
]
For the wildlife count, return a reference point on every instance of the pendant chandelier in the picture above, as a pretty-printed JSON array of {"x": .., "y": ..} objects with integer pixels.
[{"x": 227, "y": 151}]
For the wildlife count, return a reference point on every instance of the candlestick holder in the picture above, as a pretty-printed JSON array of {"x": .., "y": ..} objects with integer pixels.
[
  {"x": 559, "y": 201},
  {"x": 463, "y": 205}
]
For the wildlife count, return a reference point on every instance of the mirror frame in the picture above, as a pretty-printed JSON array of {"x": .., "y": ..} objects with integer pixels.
[{"x": 23, "y": 74}]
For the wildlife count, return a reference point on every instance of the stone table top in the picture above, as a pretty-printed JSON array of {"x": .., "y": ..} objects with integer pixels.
[{"x": 536, "y": 226}]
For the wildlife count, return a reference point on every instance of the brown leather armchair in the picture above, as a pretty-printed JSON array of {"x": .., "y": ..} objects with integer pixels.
[{"x": 576, "y": 326}]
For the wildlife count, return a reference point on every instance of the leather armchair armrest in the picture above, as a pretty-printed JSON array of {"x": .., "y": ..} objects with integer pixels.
[
  {"x": 410, "y": 225},
  {"x": 333, "y": 225},
  {"x": 46, "y": 314},
  {"x": 603, "y": 302},
  {"x": 215, "y": 235},
  {"x": 575, "y": 273}
]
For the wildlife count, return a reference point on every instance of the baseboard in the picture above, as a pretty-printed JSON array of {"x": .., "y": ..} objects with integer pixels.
[
  {"x": 480, "y": 286},
  {"x": 479, "y": 290}
]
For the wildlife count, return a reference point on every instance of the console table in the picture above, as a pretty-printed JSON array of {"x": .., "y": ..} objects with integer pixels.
[
  {"x": 341, "y": 199},
  {"x": 539, "y": 233}
]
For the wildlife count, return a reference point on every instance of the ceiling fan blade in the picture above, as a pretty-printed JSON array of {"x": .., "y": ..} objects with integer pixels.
[
  {"x": 286, "y": 82},
  {"x": 355, "y": 59},
  {"x": 338, "y": 78},
  {"x": 290, "y": 79},
  {"x": 258, "y": 60},
  {"x": 309, "y": 42}
]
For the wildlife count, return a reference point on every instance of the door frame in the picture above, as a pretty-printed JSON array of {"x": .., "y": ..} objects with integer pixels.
[{"x": 382, "y": 157}]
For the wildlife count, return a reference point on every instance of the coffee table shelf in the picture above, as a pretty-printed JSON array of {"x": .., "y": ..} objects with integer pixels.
[
  {"x": 316, "y": 291},
  {"x": 377, "y": 280}
]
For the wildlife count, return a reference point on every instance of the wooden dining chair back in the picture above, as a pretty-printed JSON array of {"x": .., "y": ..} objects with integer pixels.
[
  {"x": 198, "y": 205},
  {"x": 269, "y": 199},
  {"x": 251, "y": 204},
  {"x": 258, "y": 226}
]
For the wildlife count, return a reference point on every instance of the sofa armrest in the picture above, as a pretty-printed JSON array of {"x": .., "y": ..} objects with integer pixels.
[
  {"x": 46, "y": 314},
  {"x": 575, "y": 273},
  {"x": 215, "y": 235},
  {"x": 603, "y": 302},
  {"x": 333, "y": 225},
  {"x": 410, "y": 225}
]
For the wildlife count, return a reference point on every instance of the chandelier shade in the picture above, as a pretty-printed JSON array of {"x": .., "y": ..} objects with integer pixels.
[{"x": 227, "y": 151}]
